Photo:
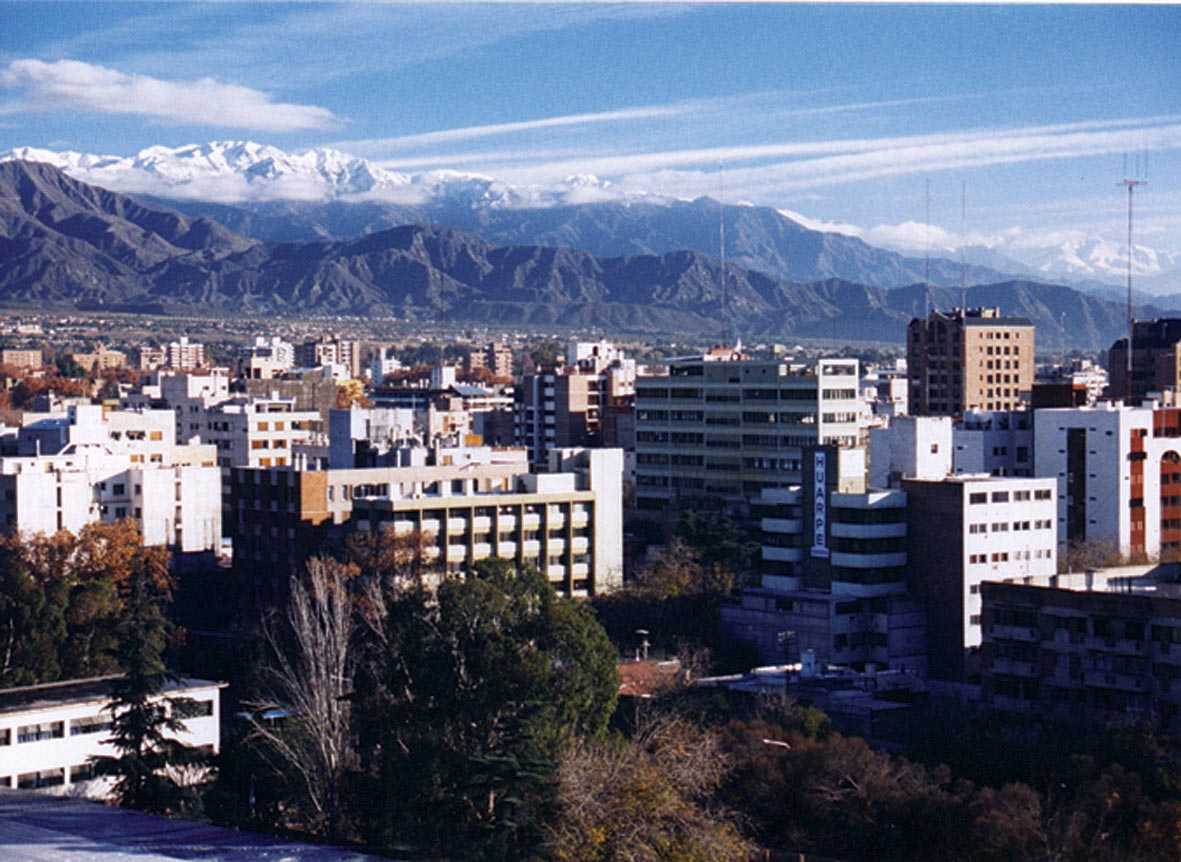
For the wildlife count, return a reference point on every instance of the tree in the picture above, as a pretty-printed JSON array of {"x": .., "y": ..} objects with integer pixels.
[
  {"x": 650, "y": 799},
  {"x": 62, "y": 598},
  {"x": 547, "y": 354},
  {"x": 484, "y": 684},
  {"x": 144, "y": 724},
  {"x": 309, "y": 679}
]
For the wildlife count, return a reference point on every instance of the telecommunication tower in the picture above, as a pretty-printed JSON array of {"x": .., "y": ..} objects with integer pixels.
[{"x": 1131, "y": 184}]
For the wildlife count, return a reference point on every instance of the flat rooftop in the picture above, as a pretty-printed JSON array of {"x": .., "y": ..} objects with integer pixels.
[
  {"x": 36, "y": 827},
  {"x": 52, "y": 694}
]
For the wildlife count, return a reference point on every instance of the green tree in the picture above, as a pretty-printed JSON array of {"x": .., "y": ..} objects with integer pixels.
[
  {"x": 143, "y": 722},
  {"x": 484, "y": 684},
  {"x": 547, "y": 354}
]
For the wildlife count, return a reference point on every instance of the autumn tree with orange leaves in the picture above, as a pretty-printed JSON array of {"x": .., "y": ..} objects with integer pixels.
[{"x": 62, "y": 597}]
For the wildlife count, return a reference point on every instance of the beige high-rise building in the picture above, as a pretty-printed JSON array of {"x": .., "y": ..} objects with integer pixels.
[{"x": 969, "y": 359}]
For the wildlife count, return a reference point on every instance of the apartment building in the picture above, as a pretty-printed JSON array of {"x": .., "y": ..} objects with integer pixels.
[
  {"x": 567, "y": 521},
  {"x": 174, "y": 504},
  {"x": 1156, "y": 362},
  {"x": 330, "y": 350},
  {"x": 969, "y": 358},
  {"x": 473, "y": 505},
  {"x": 100, "y": 360},
  {"x": 26, "y": 360},
  {"x": 962, "y": 531},
  {"x": 715, "y": 430},
  {"x": 1075, "y": 656},
  {"x": 49, "y": 733},
  {"x": 265, "y": 359},
  {"x": 257, "y": 432},
  {"x": 564, "y": 407},
  {"x": 834, "y": 575},
  {"x": 1118, "y": 470},
  {"x": 497, "y": 357},
  {"x": 185, "y": 356}
]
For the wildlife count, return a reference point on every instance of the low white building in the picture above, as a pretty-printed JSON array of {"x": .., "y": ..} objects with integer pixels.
[
  {"x": 48, "y": 733},
  {"x": 175, "y": 504}
]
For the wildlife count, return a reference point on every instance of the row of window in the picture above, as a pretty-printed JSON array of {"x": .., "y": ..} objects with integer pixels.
[{"x": 980, "y": 497}]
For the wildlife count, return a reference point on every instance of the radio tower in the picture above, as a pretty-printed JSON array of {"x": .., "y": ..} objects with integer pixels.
[
  {"x": 963, "y": 239},
  {"x": 1131, "y": 184},
  {"x": 722, "y": 243},
  {"x": 927, "y": 259}
]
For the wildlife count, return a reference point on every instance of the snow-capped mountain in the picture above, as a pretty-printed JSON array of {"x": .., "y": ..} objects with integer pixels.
[
  {"x": 274, "y": 195},
  {"x": 232, "y": 172},
  {"x": 1100, "y": 259},
  {"x": 226, "y": 171}
]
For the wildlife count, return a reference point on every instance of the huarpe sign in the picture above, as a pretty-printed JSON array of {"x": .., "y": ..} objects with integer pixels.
[{"x": 819, "y": 506}]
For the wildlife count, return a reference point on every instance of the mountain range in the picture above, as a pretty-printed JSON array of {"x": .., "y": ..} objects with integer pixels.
[
  {"x": 323, "y": 194},
  {"x": 64, "y": 242}
]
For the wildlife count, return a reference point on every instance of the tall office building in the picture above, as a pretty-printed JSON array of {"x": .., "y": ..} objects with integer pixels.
[
  {"x": 715, "y": 430},
  {"x": 967, "y": 359}
]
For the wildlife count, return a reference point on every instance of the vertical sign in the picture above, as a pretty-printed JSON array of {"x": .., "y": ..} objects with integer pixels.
[{"x": 819, "y": 505}]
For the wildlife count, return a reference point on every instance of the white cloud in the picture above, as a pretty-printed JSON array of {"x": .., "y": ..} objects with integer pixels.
[
  {"x": 471, "y": 132},
  {"x": 74, "y": 85}
]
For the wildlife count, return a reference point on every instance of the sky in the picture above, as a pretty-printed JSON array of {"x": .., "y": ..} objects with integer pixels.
[{"x": 1011, "y": 124}]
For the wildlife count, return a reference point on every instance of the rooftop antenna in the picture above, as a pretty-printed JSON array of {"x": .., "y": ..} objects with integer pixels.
[
  {"x": 927, "y": 261},
  {"x": 963, "y": 239},
  {"x": 722, "y": 242},
  {"x": 1131, "y": 183}
]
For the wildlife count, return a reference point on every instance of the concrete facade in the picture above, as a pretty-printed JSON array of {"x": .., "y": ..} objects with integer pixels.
[
  {"x": 962, "y": 531},
  {"x": 714, "y": 431}
]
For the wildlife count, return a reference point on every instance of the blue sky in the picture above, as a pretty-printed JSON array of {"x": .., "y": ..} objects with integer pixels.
[{"x": 840, "y": 113}]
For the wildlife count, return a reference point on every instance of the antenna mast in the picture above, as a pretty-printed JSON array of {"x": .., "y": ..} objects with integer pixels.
[
  {"x": 1131, "y": 184},
  {"x": 722, "y": 243},
  {"x": 963, "y": 239},
  {"x": 927, "y": 259}
]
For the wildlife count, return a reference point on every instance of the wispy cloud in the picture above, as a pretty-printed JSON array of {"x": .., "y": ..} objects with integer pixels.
[
  {"x": 451, "y": 136},
  {"x": 722, "y": 111},
  {"x": 75, "y": 85},
  {"x": 760, "y": 171}
]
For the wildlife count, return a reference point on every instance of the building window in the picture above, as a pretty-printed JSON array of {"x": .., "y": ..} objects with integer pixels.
[
  {"x": 40, "y": 732},
  {"x": 90, "y": 724},
  {"x": 977, "y": 499}
]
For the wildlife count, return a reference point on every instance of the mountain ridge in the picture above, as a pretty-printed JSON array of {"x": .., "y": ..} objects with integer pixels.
[{"x": 64, "y": 242}]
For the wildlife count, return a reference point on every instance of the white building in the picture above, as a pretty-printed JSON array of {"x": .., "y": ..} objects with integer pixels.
[
  {"x": 1119, "y": 475},
  {"x": 176, "y": 504},
  {"x": 910, "y": 447},
  {"x": 964, "y": 530},
  {"x": 266, "y": 358},
  {"x": 185, "y": 355},
  {"x": 48, "y": 733},
  {"x": 257, "y": 432}
]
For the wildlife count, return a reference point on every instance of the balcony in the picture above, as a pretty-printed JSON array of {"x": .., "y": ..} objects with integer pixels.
[
  {"x": 869, "y": 561},
  {"x": 783, "y": 555},
  {"x": 788, "y": 526},
  {"x": 868, "y": 531}
]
